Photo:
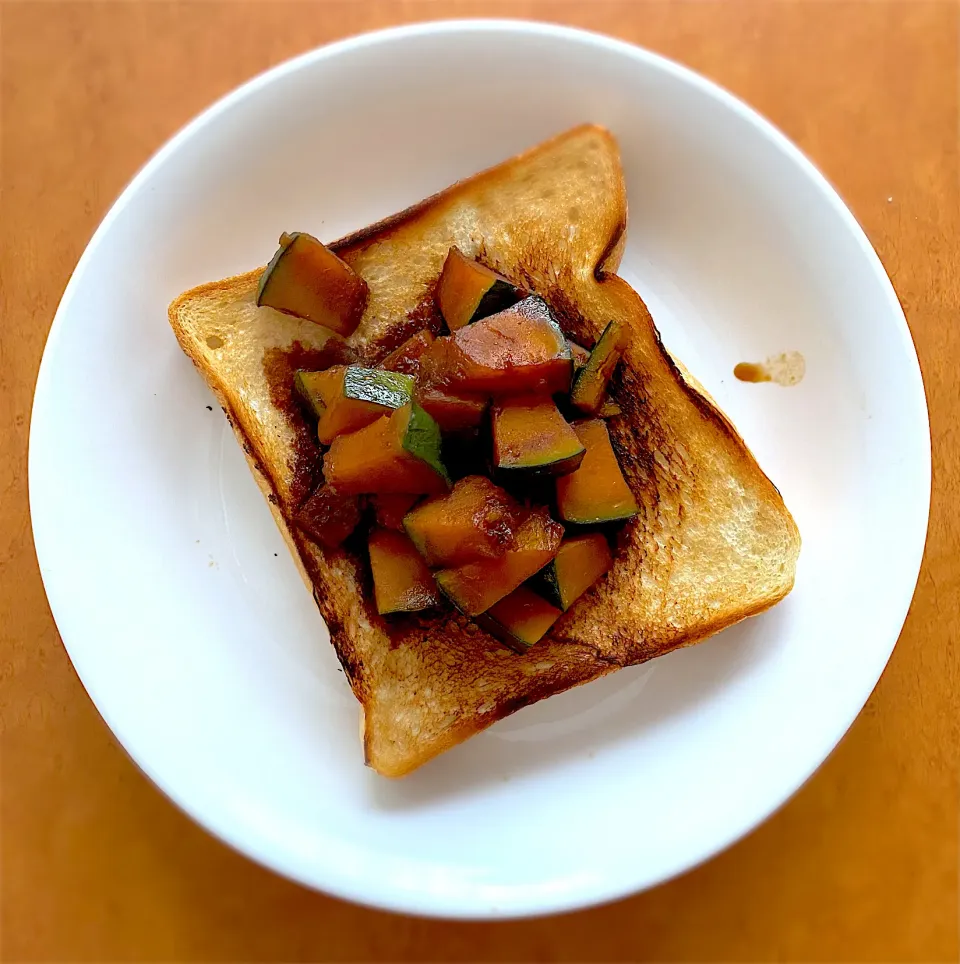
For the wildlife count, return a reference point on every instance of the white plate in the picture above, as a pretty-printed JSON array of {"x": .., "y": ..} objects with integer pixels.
[{"x": 183, "y": 612}]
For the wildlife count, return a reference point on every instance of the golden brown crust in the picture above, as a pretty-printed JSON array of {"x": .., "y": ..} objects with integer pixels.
[
  {"x": 712, "y": 545},
  {"x": 351, "y": 244}
]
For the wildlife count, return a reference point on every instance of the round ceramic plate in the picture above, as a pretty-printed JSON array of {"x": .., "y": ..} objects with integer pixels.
[{"x": 184, "y": 614}]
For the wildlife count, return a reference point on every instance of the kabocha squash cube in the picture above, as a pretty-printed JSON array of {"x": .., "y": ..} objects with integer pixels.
[
  {"x": 402, "y": 583},
  {"x": 531, "y": 437},
  {"x": 475, "y": 520},
  {"x": 520, "y": 619},
  {"x": 475, "y": 587},
  {"x": 399, "y": 453},
  {"x": 305, "y": 278},
  {"x": 597, "y": 492},
  {"x": 468, "y": 291}
]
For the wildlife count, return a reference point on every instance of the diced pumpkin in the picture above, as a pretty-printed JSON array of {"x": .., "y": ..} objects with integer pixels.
[
  {"x": 520, "y": 619},
  {"x": 590, "y": 383},
  {"x": 407, "y": 357},
  {"x": 521, "y": 349},
  {"x": 476, "y": 586},
  {"x": 531, "y": 437},
  {"x": 452, "y": 411},
  {"x": 399, "y": 453},
  {"x": 389, "y": 510},
  {"x": 475, "y": 520},
  {"x": 305, "y": 278},
  {"x": 402, "y": 583},
  {"x": 313, "y": 388},
  {"x": 581, "y": 561},
  {"x": 328, "y": 517},
  {"x": 468, "y": 291},
  {"x": 597, "y": 492},
  {"x": 347, "y": 398}
]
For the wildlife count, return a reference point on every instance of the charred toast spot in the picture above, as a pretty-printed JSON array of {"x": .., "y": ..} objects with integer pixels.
[
  {"x": 340, "y": 638},
  {"x": 349, "y": 658},
  {"x": 657, "y": 472},
  {"x": 572, "y": 321},
  {"x": 616, "y": 239},
  {"x": 516, "y": 703}
]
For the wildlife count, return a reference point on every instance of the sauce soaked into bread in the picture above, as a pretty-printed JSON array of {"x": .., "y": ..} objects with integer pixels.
[
  {"x": 424, "y": 317},
  {"x": 279, "y": 365}
]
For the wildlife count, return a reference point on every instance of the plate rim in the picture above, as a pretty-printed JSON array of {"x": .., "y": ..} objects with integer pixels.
[{"x": 413, "y": 901}]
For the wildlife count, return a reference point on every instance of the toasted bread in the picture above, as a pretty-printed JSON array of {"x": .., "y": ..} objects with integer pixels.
[{"x": 713, "y": 542}]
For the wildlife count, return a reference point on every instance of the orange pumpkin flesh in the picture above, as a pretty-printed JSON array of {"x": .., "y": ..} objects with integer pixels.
[
  {"x": 475, "y": 587},
  {"x": 401, "y": 580},
  {"x": 475, "y": 520},
  {"x": 581, "y": 561},
  {"x": 468, "y": 291},
  {"x": 407, "y": 357},
  {"x": 348, "y": 398},
  {"x": 520, "y": 619},
  {"x": 453, "y": 412},
  {"x": 305, "y": 278},
  {"x": 597, "y": 492},
  {"x": 530, "y": 436},
  {"x": 396, "y": 454},
  {"x": 590, "y": 383},
  {"x": 521, "y": 349},
  {"x": 508, "y": 566}
]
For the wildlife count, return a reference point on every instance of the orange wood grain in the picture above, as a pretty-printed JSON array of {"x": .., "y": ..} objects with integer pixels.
[{"x": 95, "y": 865}]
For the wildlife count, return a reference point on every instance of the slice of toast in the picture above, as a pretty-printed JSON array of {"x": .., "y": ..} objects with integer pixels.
[{"x": 712, "y": 544}]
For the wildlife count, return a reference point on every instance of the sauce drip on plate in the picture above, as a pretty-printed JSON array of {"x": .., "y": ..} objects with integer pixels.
[{"x": 787, "y": 368}]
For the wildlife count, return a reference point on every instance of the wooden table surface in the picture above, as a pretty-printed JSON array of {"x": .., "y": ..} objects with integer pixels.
[{"x": 96, "y": 865}]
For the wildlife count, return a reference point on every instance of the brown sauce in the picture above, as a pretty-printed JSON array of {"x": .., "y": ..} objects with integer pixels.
[
  {"x": 787, "y": 368},
  {"x": 749, "y": 372},
  {"x": 279, "y": 365},
  {"x": 424, "y": 316}
]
